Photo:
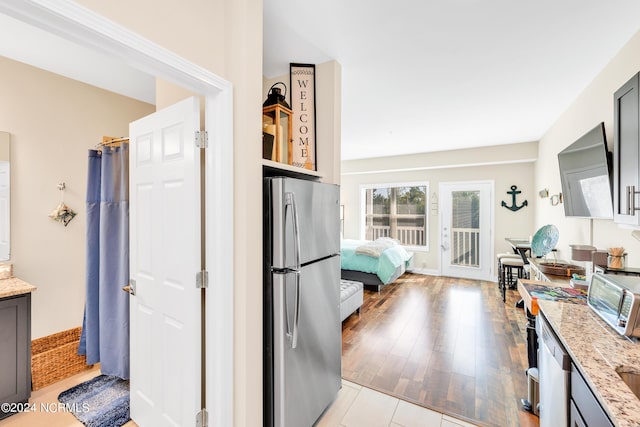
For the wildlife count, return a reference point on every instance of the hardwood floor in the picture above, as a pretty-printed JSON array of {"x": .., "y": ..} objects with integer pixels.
[{"x": 446, "y": 344}]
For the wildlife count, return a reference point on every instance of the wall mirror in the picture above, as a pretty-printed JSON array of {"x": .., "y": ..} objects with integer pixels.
[{"x": 5, "y": 196}]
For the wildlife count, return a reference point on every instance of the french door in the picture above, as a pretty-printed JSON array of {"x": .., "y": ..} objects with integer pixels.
[{"x": 466, "y": 229}]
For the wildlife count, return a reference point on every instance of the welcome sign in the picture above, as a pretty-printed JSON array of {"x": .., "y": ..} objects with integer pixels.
[{"x": 303, "y": 104}]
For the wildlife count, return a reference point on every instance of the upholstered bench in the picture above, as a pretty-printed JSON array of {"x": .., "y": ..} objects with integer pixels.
[{"x": 351, "y": 297}]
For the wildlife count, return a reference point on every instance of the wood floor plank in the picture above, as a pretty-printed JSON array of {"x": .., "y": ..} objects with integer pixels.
[{"x": 446, "y": 344}]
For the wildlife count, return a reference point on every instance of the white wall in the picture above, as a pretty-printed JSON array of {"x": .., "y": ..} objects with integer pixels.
[
  {"x": 506, "y": 165},
  {"x": 53, "y": 121},
  {"x": 594, "y": 105}
]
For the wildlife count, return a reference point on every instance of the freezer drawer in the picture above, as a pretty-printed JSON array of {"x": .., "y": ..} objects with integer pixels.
[{"x": 307, "y": 342}]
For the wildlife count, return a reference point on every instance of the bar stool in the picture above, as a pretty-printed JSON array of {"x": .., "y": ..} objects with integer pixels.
[
  {"x": 501, "y": 268},
  {"x": 508, "y": 277}
]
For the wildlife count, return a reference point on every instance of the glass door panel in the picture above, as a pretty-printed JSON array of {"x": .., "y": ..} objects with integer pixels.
[{"x": 466, "y": 229}]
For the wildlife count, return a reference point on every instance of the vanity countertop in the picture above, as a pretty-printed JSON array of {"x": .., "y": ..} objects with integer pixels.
[
  {"x": 597, "y": 350},
  {"x": 14, "y": 286}
]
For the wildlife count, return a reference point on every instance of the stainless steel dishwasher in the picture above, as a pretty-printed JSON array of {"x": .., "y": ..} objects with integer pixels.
[{"x": 554, "y": 366}]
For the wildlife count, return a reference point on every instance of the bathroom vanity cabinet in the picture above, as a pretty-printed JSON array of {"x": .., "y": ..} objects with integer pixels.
[{"x": 15, "y": 350}]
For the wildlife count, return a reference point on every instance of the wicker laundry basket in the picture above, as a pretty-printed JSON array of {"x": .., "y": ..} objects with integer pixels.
[{"x": 55, "y": 357}]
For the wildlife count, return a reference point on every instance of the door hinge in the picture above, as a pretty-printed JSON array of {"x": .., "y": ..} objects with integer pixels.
[
  {"x": 202, "y": 418},
  {"x": 202, "y": 279},
  {"x": 202, "y": 139}
]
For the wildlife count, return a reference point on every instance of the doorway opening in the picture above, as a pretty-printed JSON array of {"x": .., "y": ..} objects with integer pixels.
[{"x": 80, "y": 25}]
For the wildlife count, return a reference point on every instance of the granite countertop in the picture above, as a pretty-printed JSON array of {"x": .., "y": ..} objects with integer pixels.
[
  {"x": 14, "y": 286},
  {"x": 597, "y": 350}
]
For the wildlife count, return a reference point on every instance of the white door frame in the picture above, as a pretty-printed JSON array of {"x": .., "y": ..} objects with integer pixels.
[
  {"x": 85, "y": 27},
  {"x": 489, "y": 276}
]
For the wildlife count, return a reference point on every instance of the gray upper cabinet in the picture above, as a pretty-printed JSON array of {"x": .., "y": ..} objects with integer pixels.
[{"x": 626, "y": 153}]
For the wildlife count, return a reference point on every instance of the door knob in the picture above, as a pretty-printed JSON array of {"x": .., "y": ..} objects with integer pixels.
[{"x": 130, "y": 288}]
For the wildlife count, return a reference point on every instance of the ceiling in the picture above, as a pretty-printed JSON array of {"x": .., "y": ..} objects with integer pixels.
[
  {"x": 39, "y": 48},
  {"x": 417, "y": 75},
  {"x": 427, "y": 75}
]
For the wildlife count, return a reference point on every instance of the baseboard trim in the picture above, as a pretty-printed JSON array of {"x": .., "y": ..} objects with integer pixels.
[
  {"x": 424, "y": 271},
  {"x": 432, "y": 272}
]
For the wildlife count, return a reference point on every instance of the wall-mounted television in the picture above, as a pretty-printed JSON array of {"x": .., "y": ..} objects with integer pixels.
[{"x": 585, "y": 174}]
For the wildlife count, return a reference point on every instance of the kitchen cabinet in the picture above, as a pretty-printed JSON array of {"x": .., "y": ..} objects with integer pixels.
[
  {"x": 626, "y": 153},
  {"x": 585, "y": 409},
  {"x": 575, "y": 419},
  {"x": 15, "y": 350}
]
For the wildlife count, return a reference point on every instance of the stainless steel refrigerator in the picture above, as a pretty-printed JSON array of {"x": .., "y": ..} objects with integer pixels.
[{"x": 302, "y": 329}]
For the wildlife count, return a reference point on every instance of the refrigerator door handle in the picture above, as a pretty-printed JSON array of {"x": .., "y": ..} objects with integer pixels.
[
  {"x": 292, "y": 333},
  {"x": 287, "y": 332},
  {"x": 296, "y": 318},
  {"x": 290, "y": 200}
]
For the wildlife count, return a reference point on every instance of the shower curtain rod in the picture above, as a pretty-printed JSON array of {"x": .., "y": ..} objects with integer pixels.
[
  {"x": 111, "y": 141},
  {"x": 106, "y": 141}
]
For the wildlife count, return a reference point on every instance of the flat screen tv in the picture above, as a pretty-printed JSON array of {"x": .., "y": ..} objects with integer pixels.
[{"x": 585, "y": 174}]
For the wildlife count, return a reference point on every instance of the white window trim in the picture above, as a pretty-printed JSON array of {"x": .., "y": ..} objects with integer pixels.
[{"x": 363, "y": 209}]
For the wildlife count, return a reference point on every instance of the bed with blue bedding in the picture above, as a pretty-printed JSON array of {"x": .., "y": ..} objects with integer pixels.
[{"x": 374, "y": 263}]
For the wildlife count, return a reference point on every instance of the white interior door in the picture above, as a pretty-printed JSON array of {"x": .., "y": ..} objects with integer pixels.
[
  {"x": 466, "y": 229},
  {"x": 165, "y": 257}
]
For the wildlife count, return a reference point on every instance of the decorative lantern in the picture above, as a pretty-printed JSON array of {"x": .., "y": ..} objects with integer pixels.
[{"x": 276, "y": 126}]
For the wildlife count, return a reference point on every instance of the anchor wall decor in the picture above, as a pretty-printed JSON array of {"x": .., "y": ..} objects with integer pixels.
[{"x": 514, "y": 192}]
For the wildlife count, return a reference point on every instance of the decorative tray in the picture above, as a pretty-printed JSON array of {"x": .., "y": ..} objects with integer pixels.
[{"x": 560, "y": 269}]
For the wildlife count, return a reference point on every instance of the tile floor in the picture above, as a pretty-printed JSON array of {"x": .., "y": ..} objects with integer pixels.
[
  {"x": 355, "y": 406},
  {"x": 358, "y": 406},
  {"x": 45, "y": 403}
]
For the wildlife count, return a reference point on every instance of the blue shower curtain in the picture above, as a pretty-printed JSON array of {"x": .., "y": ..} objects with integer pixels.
[{"x": 105, "y": 331}]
